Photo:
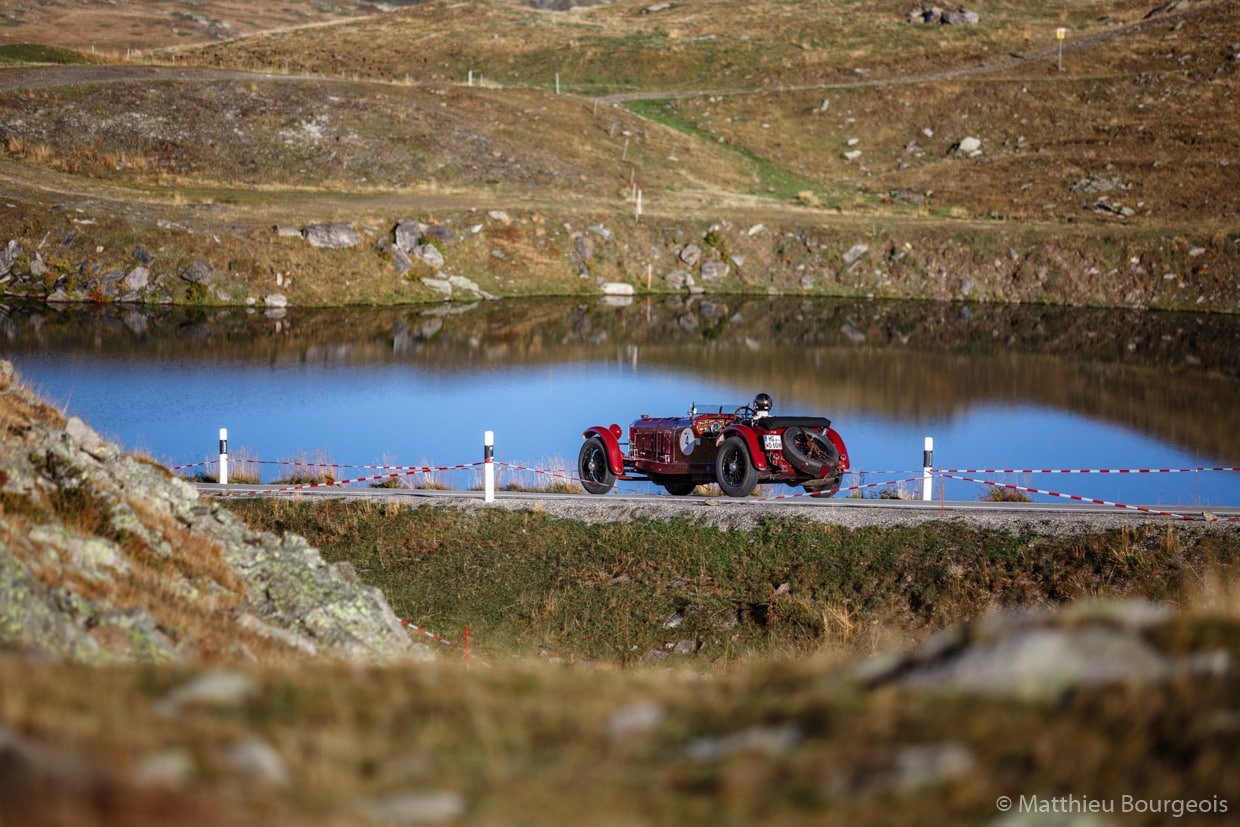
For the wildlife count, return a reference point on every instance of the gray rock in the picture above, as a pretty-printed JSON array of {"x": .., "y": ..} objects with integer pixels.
[
  {"x": 690, "y": 254},
  {"x": 275, "y": 300},
  {"x": 969, "y": 147},
  {"x": 409, "y": 234},
  {"x": 678, "y": 279},
  {"x": 38, "y": 268},
  {"x": 138, "y": 278},
  {"x": 198, "y": 273},
  {"x": 416, "y": 807},
  {"x": 636, "y": 718},
  {"x": 216, "y": 688},
  {"x": 334, "y": 236},
  {"x": 401, "y": 261},
  {"x": 9, "y": 255},
  {"x": 1043, "y": 664},
  {"x": 713, "y": 271},
  {"x": 257, "y": 762},
  {"x": 167, "y": 768},
  {"x": 440, "y": 233},
  {"x": 617, "y": 288},
  {"x": 429, "y": 255},
  {"x": 855, "y": 252},
  {"x": 584, "y": 247},
  {"x": 32, "y": 617},
  {"x": 959, "y": 17}
]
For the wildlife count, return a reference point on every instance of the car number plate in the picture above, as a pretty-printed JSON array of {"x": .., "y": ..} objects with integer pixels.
[{"x": 772, "y": 442}]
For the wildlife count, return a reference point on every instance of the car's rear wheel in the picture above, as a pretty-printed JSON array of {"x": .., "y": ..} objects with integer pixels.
[
  {"x": 829, "y": 489},
  {"x": 733, "y": 469},
  {"x": 679, "y": 488},
  {"x": 592, "y": 467}
]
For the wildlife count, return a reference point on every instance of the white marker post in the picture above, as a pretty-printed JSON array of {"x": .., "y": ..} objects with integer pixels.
[
  {"x": 1060, "y": 34},
  {"x": 488, "y": 466},
  {"x": 927, "y": 462},
  {"x": 223, "y": 456}
]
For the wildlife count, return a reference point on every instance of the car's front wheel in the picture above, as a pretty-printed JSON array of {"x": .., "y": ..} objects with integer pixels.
[
  {"x": 592, "y": 467},
  {"x": 733, "y": 469}
]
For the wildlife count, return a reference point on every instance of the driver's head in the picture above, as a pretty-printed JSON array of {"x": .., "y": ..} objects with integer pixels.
[{"x": 762, "y": 404}]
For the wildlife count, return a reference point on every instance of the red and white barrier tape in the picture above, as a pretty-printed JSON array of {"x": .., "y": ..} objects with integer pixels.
[
  {"x": 334, "y": 483},
  {"x": 1139, "y": 508},
  {"x": 447, "y": 641},
  {"x": 298, "y": 464},
  {"x": 564, "y": 475},
  {"x": 193, "y": 465},
  {"x": 1077, "y": 470}
]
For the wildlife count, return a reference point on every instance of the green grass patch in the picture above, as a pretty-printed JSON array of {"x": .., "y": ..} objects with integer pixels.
[
  {"x": 525, "y": 581},
  {"x": 18, "y": 53}
]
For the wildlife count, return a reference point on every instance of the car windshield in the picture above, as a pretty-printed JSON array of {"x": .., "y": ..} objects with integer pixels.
[{"x": 698, "y": 408}]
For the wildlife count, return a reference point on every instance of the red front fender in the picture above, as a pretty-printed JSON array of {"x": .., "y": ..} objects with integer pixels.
[
  {"x": 756, "y": 455},
  {"x": 611, "y": 444},
  {"x": 838, "y": 442}
]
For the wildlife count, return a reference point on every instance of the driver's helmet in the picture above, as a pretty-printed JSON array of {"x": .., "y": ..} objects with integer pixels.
[{"x": 762, "y": 405}]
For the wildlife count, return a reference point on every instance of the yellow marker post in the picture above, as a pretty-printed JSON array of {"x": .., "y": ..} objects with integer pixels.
[{"x": 1060, "y": 34}]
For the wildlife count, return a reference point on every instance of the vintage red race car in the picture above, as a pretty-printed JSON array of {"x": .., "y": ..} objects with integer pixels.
[{"x": 737, "y": 448}]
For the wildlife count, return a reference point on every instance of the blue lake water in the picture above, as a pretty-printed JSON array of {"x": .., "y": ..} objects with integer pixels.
[{"x": 420, "y": 388}]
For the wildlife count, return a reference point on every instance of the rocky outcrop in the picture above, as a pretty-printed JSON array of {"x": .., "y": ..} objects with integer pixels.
[
  {"x": 946, "y": 17},
  {"x": 107, "y": 557}
]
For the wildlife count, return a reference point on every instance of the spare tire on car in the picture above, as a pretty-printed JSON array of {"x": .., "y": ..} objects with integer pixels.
[{"x": 809, "y": 451}]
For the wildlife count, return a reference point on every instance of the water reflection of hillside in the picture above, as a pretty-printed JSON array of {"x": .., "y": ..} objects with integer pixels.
[{"x": 1174, "y": 376}]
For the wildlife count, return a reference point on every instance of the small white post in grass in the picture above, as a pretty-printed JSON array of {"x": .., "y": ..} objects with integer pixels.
[
  {"x": 488, "y": 466},
  {"x": 927, "y": 462},
  {"x": 557, "y": 83},
  {"x": 223, "y": 456},
  {"x": 471, "y": 77},
  {"x": 639, "y": 204}
]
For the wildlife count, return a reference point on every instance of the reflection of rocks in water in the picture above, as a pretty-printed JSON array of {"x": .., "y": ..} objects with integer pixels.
[
  {"x": 407, "y": 338},
  {"x": 1173, "y": 375},
  {"x": 136, "y": 323},
  {"x": 199, "y": 332}
]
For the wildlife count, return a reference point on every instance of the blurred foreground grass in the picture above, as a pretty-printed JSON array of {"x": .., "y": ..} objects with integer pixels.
[{"x": 790, "y": 707}]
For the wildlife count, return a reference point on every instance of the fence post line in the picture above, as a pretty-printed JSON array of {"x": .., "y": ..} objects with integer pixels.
[
  {"x": 488, "y": 466},
  {"x": 927, "y": 462},
  {"x": 223, "y": 456}
]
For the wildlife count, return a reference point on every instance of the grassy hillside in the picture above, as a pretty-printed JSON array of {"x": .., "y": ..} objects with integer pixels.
[{"x": 777, "y": 136}]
